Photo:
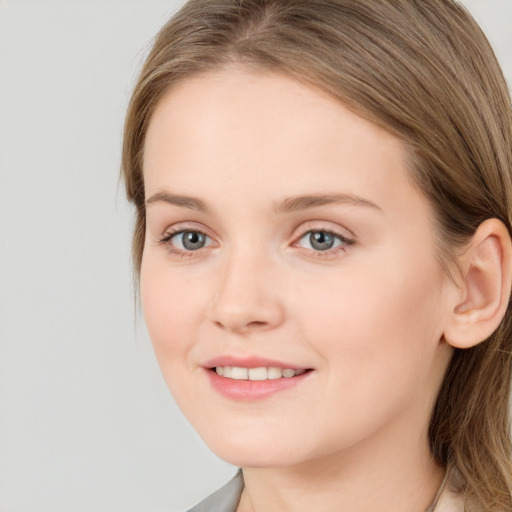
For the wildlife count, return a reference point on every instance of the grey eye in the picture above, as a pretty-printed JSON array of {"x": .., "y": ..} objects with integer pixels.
[
  {"x": 321, "y": 241},
  {"x": 190, "y": 240}
]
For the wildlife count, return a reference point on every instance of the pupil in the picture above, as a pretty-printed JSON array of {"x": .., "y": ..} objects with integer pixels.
[
  {"x": 193, "y": 240},
  {"x": 321, "y": 241}
]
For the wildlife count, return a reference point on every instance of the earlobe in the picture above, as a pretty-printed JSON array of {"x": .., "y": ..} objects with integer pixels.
[{"x": 485, "y": 286}]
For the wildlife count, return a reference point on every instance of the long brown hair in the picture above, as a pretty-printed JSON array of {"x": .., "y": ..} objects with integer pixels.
[{"x": 423, "y": 70}]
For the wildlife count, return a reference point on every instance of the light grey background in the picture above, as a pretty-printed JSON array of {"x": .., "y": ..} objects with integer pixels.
[{"x": 86, "y": 422}]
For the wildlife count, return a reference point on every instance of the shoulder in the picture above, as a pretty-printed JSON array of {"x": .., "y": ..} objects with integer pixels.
[{"x": 225, "y": 499}]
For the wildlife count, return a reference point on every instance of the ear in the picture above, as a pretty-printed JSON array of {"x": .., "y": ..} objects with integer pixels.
[{"x": 482, "y": 299}]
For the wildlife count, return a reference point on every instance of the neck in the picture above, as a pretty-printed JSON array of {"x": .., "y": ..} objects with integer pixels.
[{"x": 391, "y": 472}]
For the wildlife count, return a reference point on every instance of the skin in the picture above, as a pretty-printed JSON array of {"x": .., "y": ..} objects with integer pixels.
[{"x": 367, "y": 316}]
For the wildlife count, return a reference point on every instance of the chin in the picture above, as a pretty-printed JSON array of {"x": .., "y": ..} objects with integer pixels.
[
  {"x": 256, "y": 449},
  {"x": 255, "y": 457},
  {"x": 272, "y": 454}
]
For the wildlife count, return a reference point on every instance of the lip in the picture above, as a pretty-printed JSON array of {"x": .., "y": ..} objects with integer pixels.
[
  {"x": 251, "y": 390},
  {"x": 250, "y": 362}
]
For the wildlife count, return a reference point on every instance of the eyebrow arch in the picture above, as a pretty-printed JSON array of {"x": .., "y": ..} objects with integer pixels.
[
  {"x": 184, "y": 201},
  {"x": 293, "y": 204}
]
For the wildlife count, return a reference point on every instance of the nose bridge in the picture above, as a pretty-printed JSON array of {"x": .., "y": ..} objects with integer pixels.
[{"x": 246, "y": 295}]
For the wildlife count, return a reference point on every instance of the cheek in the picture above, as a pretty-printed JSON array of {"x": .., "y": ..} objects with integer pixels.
[
  {"x": 173, "y": 312},
  {"x": 378, "y": 331},
  {"x": 171, "y": 306},
  {"x": 377, "y": 341}
]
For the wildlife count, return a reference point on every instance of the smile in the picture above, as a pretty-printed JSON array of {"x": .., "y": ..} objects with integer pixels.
[
  {"x": 262, "y": 373},
  {"x": 254, "y": 378}
]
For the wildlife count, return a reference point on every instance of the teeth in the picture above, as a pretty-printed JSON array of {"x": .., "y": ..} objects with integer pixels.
[
  {"x": 239, "y": 373},
  {"x": 258, "y": 373},
  {"x": 275, "y": 373}
]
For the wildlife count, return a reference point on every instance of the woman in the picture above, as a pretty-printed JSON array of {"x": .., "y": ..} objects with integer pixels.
[{"x": 323, "y": 240}]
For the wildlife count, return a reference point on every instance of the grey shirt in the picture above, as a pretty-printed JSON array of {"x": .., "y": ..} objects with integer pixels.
[{"x": 226, "y": 499}]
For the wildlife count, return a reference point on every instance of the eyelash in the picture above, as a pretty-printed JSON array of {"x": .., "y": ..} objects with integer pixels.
[
  {"x": 345, "y": 243},
  {"x": 168, "y": 236}
]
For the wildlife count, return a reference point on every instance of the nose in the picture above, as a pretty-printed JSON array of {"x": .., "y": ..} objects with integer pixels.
[{"x": 248, "y": 297}]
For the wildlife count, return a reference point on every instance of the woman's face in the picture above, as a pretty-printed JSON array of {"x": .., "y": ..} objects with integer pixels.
[{"x": 284, "y": 232}]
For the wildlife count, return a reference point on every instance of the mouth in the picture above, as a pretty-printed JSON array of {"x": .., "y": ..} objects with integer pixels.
[
  {"x": 257, "y": 374},
  {"x": 254, "y": 378}
]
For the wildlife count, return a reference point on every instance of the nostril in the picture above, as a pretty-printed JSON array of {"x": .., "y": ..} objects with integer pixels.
[
  {"x": 241, "y": 326},
  {"x": 256, "y": 323}
]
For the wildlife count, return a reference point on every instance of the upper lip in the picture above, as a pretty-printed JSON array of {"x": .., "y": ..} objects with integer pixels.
[{"x": 251, "y": 362}]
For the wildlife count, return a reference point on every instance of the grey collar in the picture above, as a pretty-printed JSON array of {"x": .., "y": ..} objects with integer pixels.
[{"x": 227, "y": 498}]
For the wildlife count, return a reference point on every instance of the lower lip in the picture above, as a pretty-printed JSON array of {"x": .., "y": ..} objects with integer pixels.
[{"x": 249, "y": 390}]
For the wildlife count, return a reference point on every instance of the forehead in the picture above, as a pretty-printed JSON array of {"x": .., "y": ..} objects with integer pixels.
[{"x": 254, "y": 129}]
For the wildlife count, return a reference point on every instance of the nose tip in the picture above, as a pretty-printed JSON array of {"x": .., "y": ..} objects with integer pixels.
[
  {"x": 246, "y": 302},
  {"x": 247, "y": 315}
]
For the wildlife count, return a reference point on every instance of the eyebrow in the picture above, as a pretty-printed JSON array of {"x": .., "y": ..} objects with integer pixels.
[
  {"x": 298, "y": 203},
  {"x": 191, "y": 203},
  {"x": 291, "y": 204}
]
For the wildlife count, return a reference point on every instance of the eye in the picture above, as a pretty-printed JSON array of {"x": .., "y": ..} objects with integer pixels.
[
  {"x": 322, "y": 240},
  {"x": 187, "y": 240}
]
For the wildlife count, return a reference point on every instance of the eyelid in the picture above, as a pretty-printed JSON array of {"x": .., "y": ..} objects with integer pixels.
[
  {"x": 346, "y": 241},
  {"x": 325, "y": 226},
  {"x": 342, "y": 234},
  {"x": 169, "y": 235},
  {"x": 180, "y": 227},
  {"x": 166, "y": 240}
]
